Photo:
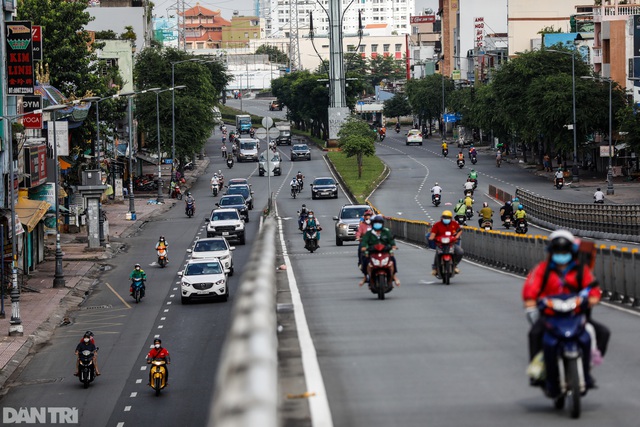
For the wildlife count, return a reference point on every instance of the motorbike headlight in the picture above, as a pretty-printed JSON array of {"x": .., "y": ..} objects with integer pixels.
[
  {"x": 445, "y": 240},
  {"x": 375, "y": 261},
  {"x": 385, "y": 261}
]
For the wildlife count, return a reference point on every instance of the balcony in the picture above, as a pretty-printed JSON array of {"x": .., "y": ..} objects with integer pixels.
[
  {"x": 597, "y": 56},
  {"x": 615, "y": 12}
]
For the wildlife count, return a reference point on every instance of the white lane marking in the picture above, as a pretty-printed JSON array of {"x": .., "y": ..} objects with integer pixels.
[
  {"x": 169, "y": 303},
  {"x": 166, "y": 310},
  {"x": 160, "y": 326},
  {"x": 175, "y": 289},
  {"x": 133, "y": 394},
  {"x": 139, "y": 381},
  {"x": 143, "y": 367},
  {"x": 120, "y": 424},
  {"x": 127, "y": 408},
  {"x": 172, "y": 295},
  {"x": 163, "y": 318},
  {"x": 155, "y": 336},
  {"x": 319, "y": 403}
]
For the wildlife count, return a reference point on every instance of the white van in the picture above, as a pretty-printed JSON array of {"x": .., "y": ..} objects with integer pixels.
[{"x": 247, "y": 150}]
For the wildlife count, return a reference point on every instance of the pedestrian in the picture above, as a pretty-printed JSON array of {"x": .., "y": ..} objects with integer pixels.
[
  {"x": 546, "y": 162},
  {"x": 559, "y": 159}
]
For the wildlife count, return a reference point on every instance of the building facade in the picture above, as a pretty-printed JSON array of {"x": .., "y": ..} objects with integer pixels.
[
  {"x": 241, "y": 31},
  {"x": 203, "y": 28}
]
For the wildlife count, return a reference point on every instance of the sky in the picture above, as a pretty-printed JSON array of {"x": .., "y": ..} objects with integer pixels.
[{"x": 244, "y": 7}]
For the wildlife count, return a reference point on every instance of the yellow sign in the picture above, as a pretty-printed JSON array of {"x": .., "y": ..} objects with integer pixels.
[{"x": 455, "y": 74}]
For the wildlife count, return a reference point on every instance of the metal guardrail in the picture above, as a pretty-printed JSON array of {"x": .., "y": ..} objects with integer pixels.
[
  {"x": 620, "y": 222},
  {"x": 617, "y": 270},
  {"x": 246, "y": 391}
]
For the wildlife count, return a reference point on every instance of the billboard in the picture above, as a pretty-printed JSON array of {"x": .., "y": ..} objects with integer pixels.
[
  {"x": 424, "y": 19},
  {"x": 36, "y": 39},
  {"x": 32, "y": 103},
  {"x": 61, "y": 137},
  {"x": 19, "y": 70}
]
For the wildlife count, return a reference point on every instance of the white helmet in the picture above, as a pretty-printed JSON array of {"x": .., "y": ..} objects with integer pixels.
[
  {"x": 485, "y": 205},
  {"x": 436, "y": 184}
]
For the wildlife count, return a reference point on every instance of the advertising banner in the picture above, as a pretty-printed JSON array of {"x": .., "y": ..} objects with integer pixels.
[
  {"x": 36, "y": 39},
  {"x": 62, "y": 137},
  {"x": 19, "y": 70},
  {"x": 424, "y": 19},
  {"x": 32, "y": 103}
]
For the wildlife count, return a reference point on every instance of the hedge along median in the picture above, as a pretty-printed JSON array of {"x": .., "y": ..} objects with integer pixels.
[{"x": 373, "y": 173}]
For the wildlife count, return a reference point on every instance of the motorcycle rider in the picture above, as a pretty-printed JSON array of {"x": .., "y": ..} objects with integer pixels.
[
  {"x": 436, "y": 189},
  {"x": 224, "y": 150},
  {"x": 473, "y": 175},
  {"x": 439, "y": 229},
  {"x": 558, "y": 175},
  {"x": 598, "y": 195},
  {"x": 159, "y": 352},
  {"x": 468, "y": 200},
  {"x": 468, "y": 186},
  {"x": 461, "y": 208},
  {"x": 520, "y": 213},
  {"x": 486, "y": 214},
  {"x": 397, "y": 126},
  {"x": 294, "y": 182},
  {"x": 311, "y": 222},
  {"x": 460, "y": 156},
  {"x": 379, "y": 234},
  {"x": 444, "y": 146},
  {"x": 506, "y": 210},
  {"x": 363, "y": 227},
  {"x": 498, "y": 157},
  {"x": 163, "y": 244},
  {"x": 382, "y": 132},
  {"x": 302, "y": 215},
  {"x": 87, "y": 343},
  {"x": 214, "y": 180},
  {"x": 191, "y": 200},
  {"x": 300, "y": 178},
  {"x": 562, "y": 272},
  {"x": 137, "y": 273},
  {"x": 472, "y": 151}
]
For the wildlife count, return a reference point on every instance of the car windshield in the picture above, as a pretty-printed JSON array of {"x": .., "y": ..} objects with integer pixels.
[
  {"x": 274, "y": 158},
  {"x": 233, "y": 200},
  {"x": 325, "y": 181},
  {"x": 300, "y": 148},
  {"x": 210, "y": 246},
  {"x": 201, "y": 268},
  {"x": 239, "y": 190},
  {"x": 247, "y": 145},
  {"x": 236, "y": 181},
  {"x": 414, "y": 132},
  {"x": 224, "y": 216},
  {"x": 353, "y": 213}
]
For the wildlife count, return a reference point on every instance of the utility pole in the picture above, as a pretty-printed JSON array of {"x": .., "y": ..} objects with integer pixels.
[
  {"x": 294, "y": 42},
  {"x": 338, "y": 110}
]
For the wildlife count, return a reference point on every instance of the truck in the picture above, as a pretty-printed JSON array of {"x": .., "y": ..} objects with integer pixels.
[
  {"x": 243, "y": 123},
  {"x": 285, "y": 135}
]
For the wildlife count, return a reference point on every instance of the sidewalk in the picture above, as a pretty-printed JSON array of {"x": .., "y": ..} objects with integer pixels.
[{"x": 45, "y": 308}]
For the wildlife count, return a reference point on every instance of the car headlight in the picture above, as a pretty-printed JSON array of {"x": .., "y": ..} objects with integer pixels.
[
  {"x": 220, "y": 282},
  {"x": 343, "y": 226},
  {"x": 186, "y": 284}
]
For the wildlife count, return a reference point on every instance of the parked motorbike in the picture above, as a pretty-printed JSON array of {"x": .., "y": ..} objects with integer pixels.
[
  {"x": 190, "y": 209},
  {"x": 380, "y": 280},
  {"x": 521, "y": 226},
  {"x": 507, "y": 222},
  {"x": 162, "y": 257},
  {"x": 474, "y": 159},
  {"x": 188, "y": 166},
  {"x": 311, "y": 238},
  {"x": 176, "y": 193},
  {"x": 86, "y": 368},
  {"x": 559, "y": 183},
  {"x": 565, "y": 339},
  {"x": 158, "y": 375},
  {"x": 445, "y": 268},
  {"x": 460, "y": 163},
  {"x": 137, "y": 289},
  {"x": 435, "y": 200},
  {"x": 229, "y": 162},
  {"x": 445, "y": 152}
]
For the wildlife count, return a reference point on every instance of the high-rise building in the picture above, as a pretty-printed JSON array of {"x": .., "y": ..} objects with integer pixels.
[{"x": 276, "y": 14}]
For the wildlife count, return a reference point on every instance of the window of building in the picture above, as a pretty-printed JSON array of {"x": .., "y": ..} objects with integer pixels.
[
  {"x": 398, "y": 47},
  {"x": 351, "y": 48},
  {"x": 385, "y": 48},
  {"x": 200, "y": 45},
  {"x": 255, "y": 35},
  {"x": 246, "y": 35},
  {"x": 362, "y": 48},
  {"x": 374, "y": 48}
]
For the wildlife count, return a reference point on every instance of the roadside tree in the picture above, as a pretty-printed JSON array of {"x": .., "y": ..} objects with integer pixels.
[{"x": 356, "y": 139}]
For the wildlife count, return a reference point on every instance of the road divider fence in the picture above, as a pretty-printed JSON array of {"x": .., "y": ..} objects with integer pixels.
[
  {"x": 246, "y": 389},
  {"x": 617, "y": 270}
]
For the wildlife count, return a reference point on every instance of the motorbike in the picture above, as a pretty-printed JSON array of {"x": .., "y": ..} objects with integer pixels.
[
  {"x": 469, "y": 213},
  {"x": 229, "y": 162},
  {"x": 445, "y": 268},
  {"x": 397, "y": 129},
  {"x": 252, "y": 133},
  {"x": 220, "y": 183},
  {"x": 301, "y": 219},
  {"x": 382, "y": 136},
  {"x": 436, "y": 200},
  {"x": 311, "y": 238},
  {"x": 559, "y": 183},
  {"x": 158, "y": 375},
  {"x": 507, "y": 222},
  {"x": 445, "y": 152},
  {"x": 474, "y": 159},
  {"x": 601, "y": 201},
  {"x": 86, "y": 368},
  {"x": 300, "y": 184},
  {"x": 188, "y": 166},
  {"x": 498, "y": 161},
  {"x": 190, "y": 209},
  {"x": 294, "y": 190},
  {"x": 176, "y": 193},
  {"x": 137, "y": 289},
  {"x": 468, "y": 193},
  {"x": 475, "y": 182},
  {"x": 460, "y": 163},
  {"x": 380, "y": 280},
  {"x": 162, "y": 257},
  {"x": 486, "y": 225},
  {"x": 564, "y": 339},
  {"x": 521, "y": 226},
  {"x": 234, "y": 150},
  {"x": 461, "y": 219},
  {"x": 214, "y": 189}
]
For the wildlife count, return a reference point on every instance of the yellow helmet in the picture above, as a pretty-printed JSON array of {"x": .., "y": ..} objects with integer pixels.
[{"x": 447, "y": 214}]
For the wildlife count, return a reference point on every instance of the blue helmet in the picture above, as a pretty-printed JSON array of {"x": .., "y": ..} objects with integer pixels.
[{"x": 520, "y": 207}]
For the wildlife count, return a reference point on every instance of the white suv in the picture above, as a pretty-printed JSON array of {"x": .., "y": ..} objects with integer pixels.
[
  {"x": 214, "y": 247},
  {"x": 226, "y": 223},
  {"x": 203, "y": 278}
]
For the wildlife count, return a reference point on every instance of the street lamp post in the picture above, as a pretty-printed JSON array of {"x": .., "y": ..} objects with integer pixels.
[
  {"x": 173, "y": 115},
  {"x": 58, "y": 277},
  {"x": 130, "y": 95},
  {"x": 610, "y": 190},
  {"x": 158, "y": 91},
  {"x": 574, "y": 169}
]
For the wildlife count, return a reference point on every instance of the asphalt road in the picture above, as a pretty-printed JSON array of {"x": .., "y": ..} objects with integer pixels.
[
  {"x": 124, "y": 331},
  {"x": 258, "y": 106},
  {"x": 432, "y": 354}
]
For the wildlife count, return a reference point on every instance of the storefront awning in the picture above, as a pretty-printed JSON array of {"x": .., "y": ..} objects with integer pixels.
[{"x": 31, "y": 212}]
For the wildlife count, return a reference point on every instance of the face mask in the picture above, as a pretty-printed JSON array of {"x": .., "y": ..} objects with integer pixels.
[
  {"x": 446, "y": 221},
  {"x": 377, "y": 226},
  {"x": 86, "y": 340},
  {"x": 310, "y": 216},
  {"x": 157, "y": 345},
  {"x": 561, "y": 259},
  {"x": 367, "y": 221}
]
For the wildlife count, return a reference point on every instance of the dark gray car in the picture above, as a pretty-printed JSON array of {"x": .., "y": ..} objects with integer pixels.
[
  {"x": 235, "y": 201},
  {"x": 347, "y": 222},
  {"x": 324, "y": 187},
  {"x": 300, "y": 152}
]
